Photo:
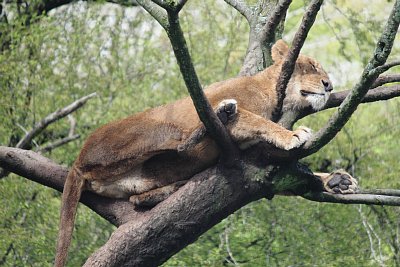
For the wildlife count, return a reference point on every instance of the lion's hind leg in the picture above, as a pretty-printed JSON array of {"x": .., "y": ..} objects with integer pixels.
[
  {"x": 155, "y": 196},
  {"x": 338, "y": 182}
]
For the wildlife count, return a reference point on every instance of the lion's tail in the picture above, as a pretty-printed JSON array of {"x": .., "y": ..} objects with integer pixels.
[{"x": 70, "y": 198}]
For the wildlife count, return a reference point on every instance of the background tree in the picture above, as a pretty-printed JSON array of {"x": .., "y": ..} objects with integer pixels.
[{"x": 124, "y": 56}]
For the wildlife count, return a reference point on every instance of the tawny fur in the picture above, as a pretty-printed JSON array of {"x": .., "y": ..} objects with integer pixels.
[{"x": 138, "y": 154}]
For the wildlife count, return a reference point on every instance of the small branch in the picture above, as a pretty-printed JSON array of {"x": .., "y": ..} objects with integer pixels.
[
  {"x": 40, "y": 126},
  {"x": 268, "y": 33},
  {"x": 71, "y": 137},
  {"x": 58, "y": 114},
  {"x": 162, "y": 4},
  {"x": 290, "y": 60},
  {"x": 241, "y": 7},
  {"x": 124, "y": 2},
  {"x": 369, "y": 199},
  {"x": 179, "y": 4},
  {"x": 355, "y": 97},
  {"x": 373, "y": 95},
  {"x": 387, "y": 66},
  {"x": 384, "y": 79},
  {"x": 384, "y": 192},
  {"x": 155, "y": 11},
  {"x": 58, "y": 143}
]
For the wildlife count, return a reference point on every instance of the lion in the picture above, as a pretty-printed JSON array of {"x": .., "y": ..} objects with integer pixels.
[{"x": 149, "y": 155}]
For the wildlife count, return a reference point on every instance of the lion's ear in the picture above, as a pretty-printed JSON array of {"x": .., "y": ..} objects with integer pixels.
[{"x": 279, "y": 51}]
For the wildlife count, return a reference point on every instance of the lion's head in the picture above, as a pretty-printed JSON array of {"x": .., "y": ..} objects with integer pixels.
[{"x": 309, "y": 84}]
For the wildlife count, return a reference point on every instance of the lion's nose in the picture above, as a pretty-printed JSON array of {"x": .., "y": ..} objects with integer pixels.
[{"x": 327, "y": 85}]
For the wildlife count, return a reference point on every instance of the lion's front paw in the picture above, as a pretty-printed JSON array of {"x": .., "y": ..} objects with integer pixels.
[
  {"x": 226, "y": 110},
  {"x": 340, "y": 182},
  {"x": 300, "y": 136}
]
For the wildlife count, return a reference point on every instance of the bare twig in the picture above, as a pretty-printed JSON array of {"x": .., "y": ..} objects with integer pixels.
[
  {"x": 71, "y": 137},
  {"x": 241, "y": 7},
  {"x": 355, "y": 97},
  {"x": 290, "y": 60},
  {"x": 58, "y": 143},
  {"x": 58, "y": 114}
]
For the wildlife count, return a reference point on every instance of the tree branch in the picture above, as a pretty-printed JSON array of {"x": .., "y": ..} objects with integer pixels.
[
  {"x": 350, "y": 104},
  {"x": 258, "y": 55},
  {"x": 71, "y": 137},
  {"x": 290, "y": 60},
  {"x": 42, "y": 170},
  {"x": 369, "y": 199},
  {"x": 58, "y": 114},
  {"x": 155, "y": 11},
  {"x": 268, "y": 33},
  {"x": 373, "y": 95},
  {"x": 384, "y": 79},
  {"x": 387, "y": 66},
  {"x": 58, "y": 143},
  {"x": 206, "y": 114},
  {"x": 24, "y": 143},
  {"x": 241, "y": 7}
]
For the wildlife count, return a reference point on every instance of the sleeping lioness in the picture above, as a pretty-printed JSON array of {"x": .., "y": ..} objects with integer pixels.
[{"x": 140, "y": 157}]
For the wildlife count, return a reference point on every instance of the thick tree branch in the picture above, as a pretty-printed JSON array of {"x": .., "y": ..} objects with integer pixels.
[
  {"x": 290, "y": 60},
  {"x": 42, "y": 170},
  {"x": 350, "y": 104},
  {"x": 150, "y": 238}
]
